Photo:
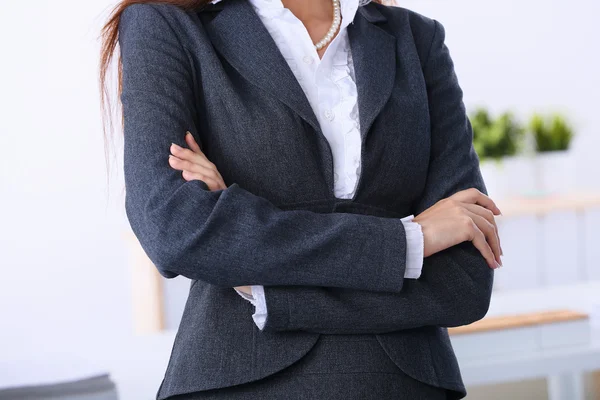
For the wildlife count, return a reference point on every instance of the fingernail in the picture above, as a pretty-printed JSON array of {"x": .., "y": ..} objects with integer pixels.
[
  {"x": 188, "y": 133},
  {"x": 498, "y": 265}
]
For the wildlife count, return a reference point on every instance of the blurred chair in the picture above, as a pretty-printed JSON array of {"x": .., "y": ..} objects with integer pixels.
[{"x": 94, "y": 388}]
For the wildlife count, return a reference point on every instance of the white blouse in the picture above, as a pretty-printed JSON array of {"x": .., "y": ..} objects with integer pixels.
[{"x": 329, "y": 84}]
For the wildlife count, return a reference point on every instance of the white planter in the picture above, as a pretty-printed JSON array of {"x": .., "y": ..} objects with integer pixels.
[
  {"x": 509, "y": 177},
  {"x": 554, "y": 172}
]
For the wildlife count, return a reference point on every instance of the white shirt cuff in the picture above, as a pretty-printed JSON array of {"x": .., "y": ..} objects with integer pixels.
[
  {"x": 414, "y": 248},
  {"x": 260, "y": 304}
]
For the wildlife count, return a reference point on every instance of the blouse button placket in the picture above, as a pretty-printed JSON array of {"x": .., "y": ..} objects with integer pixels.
[
  {"x": 329, "y": 115},
  {"x": 308, "y": 60}
]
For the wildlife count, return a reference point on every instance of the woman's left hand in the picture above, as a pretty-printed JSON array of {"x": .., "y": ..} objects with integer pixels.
[
  {"x": 194, "y": 165},
  {"x": 245, "y": 289}
]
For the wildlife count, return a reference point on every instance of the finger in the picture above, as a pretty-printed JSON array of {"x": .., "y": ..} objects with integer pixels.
[
  {"x": 192, "y": 176},
  {"x": 474, "y": 196},
  {"x": 481, "y": 244},
  {"x": 212, "y": 184},
  {"x": 191, "y": 142},
  {"x": 196, "y": 165},
  {"x": 490, "y": 235},
  {"x": 488, "y": 215},
  {"x": 195, "y": 157},
  {"x": 182, "y": 165},
  {"x": 245, "y": 289},
  {"x": 187, "y": 154},
  {"x": 198, "y": 159},
  {"x": 197, "y": 171}
]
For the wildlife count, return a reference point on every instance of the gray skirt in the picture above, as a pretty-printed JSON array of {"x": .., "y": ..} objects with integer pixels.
[{"x": 348, "y": 367}]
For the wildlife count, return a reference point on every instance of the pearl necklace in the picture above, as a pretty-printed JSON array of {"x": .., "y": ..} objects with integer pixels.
[{"x": 337, "y": 20}]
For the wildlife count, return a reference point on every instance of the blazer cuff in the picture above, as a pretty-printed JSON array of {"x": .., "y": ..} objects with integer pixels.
[
  {"x": 280, "y": 311},
  {"x": 414, "y": 248}
]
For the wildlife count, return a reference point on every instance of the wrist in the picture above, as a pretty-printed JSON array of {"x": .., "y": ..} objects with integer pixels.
[{"x": 245, "y": 289}]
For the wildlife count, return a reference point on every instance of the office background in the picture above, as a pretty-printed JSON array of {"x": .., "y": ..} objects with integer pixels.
[{"x": 66, "y": 286}]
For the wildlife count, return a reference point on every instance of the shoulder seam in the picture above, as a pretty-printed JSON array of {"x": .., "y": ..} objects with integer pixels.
[
  {"x": 175, "y": 31},
  {"x": 435, "y": 31}
]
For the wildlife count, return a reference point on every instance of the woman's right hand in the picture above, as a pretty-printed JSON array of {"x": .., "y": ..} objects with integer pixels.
[
  {"x": 194, "y": 165},
  {"x": 466, "y": 215}
]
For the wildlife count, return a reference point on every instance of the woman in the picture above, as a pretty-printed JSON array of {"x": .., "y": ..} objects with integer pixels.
[{"x": 316, "y": 157}]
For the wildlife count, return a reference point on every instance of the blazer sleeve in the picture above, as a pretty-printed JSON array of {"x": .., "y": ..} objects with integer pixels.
[
  {"x": 455, "y": 284},
  {"x": 227, "y": 237}
]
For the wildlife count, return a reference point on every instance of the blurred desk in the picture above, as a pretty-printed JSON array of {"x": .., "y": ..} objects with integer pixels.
[
  {"x": 541, "y": 205},
  {"x": 549, "y": 241},
  {"x": 563, "y": 367}
]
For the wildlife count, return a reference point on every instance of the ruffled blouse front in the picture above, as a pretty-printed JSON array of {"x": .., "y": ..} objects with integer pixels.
[{"x": 328, "y": 82}]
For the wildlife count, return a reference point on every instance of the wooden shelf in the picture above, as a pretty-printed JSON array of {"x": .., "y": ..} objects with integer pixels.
[
  {"x": 518, "y": 321},
  {"x": 543, "y": 205}
]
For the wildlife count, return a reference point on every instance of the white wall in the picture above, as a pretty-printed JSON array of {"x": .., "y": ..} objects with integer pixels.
[
  {"x": 527, "y": 56},
  {"x": 64, "y": 270}
]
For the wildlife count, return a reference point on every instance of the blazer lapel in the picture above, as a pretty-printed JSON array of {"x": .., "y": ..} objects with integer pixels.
[
  {"x": 374, "y": 56},
  {"x": 240, "y": 36}
]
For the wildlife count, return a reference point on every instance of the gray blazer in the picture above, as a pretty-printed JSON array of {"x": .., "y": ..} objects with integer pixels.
[{"x": 329, "y": 265}]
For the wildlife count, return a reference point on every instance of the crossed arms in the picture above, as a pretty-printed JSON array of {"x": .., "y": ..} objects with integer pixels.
[{"x": 319, "y": 270}]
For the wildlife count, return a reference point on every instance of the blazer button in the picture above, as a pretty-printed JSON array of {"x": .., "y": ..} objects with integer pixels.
[{"x": 329, "y": 115}]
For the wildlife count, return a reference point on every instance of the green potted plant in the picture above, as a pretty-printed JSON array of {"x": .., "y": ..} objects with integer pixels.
[
  {"x": 495, "y": 139},
  {"x": 498, "y": 143},
  {"x": 552, "y": 137}
]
